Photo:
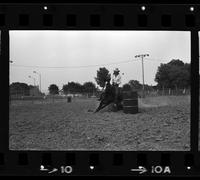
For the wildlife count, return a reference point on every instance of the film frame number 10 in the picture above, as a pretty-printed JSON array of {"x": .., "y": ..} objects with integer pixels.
[{"x": 66, "y": 169}]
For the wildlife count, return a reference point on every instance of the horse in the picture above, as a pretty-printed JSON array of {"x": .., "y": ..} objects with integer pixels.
[{"x": 109, "y": 96}]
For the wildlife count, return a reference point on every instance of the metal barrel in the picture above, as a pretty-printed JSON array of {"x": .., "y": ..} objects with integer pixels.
[{"x": 130, "y": 102}]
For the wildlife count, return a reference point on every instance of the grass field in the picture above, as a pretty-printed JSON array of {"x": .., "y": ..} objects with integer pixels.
[{"x": 163, "y": 124}]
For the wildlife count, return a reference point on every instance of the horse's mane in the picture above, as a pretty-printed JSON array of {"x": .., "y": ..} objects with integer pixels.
[{"x": 108, "y": 96}]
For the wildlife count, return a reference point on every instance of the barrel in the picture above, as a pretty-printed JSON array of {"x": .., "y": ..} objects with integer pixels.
[
  {"x": 130, "y": 102},
  {"x": 69, "y": 99}
]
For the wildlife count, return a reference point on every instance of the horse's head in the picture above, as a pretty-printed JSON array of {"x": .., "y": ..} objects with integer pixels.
[{"x": 108, "y": 80}]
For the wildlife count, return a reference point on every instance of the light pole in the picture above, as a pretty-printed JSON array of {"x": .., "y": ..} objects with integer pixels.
[
  {"x": 142, "y": 58},
  {"x": 32, "y": 78},
  {"x": 40, "y": 79}
]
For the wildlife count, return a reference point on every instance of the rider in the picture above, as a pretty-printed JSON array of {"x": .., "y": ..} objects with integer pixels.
[
  {"x": 116, "y": 81},
  {"x": 107, "y": 89}
]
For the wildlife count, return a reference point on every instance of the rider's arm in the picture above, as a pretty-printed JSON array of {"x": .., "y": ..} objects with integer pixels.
[
  {"x": 119, "y": 79},
  {"x": 113, "y": 80}
]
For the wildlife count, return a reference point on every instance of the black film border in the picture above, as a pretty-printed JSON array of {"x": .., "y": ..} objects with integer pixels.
[{"x": 164, "y": 17}]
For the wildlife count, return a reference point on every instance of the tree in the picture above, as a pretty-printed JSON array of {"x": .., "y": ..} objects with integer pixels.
[
  {"x": 102, "y": 76},
  {"x": 72, "y": 87},
  {"x": 126, "y": 87},
  {"x": 162, "y": 76},
  {"x": 65, "y": 89},
  {"x": 135, "y": 84},
  {"x": 18, "y": 88},
  {"x": 31, "y": 86},
  {"x": 89, "y": 87},
  {"x": 53, "y": 89},
  {"x": 176, "y": 62},
  {"x": 174, "y": 74}
]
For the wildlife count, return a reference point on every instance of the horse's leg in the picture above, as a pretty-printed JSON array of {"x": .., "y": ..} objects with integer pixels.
[
  {"x": 100, "y": 106},
  {"x": 97, "y": 109},
  {"x": 118, "y": 103},
  {"x": 105, "y": 105}
]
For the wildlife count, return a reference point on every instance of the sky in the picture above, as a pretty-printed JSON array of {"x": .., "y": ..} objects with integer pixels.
[{"x": 64, "y": 56}]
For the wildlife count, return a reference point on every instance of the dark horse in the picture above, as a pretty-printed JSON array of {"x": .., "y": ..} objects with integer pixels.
[{"x": 109, "y": 96}]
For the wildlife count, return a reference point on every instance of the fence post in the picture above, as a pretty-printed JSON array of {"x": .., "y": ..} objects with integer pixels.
[{"x": 184, "y": 91}]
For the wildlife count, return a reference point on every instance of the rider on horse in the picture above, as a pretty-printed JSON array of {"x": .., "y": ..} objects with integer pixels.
[
  {"x": 108, "y": 92},
  {"x": 116, "y": 81},
  {"x": 111, "y": 93}
]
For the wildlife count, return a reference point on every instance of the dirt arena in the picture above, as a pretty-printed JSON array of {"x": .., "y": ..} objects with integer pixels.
[{"x": 163, "y": 124}]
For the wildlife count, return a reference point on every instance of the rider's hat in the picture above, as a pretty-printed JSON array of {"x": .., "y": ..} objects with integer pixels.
[{"x": 116, "y": 70}]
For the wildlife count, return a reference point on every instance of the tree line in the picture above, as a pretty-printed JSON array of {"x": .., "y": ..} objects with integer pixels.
[
  {"x": 174, "y": 75},
  {"x": 73, "y": 88},
  {"x": 18, "y": 88}
]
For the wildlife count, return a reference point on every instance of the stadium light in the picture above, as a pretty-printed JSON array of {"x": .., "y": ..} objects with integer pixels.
[{"x": 33, "y": 79}]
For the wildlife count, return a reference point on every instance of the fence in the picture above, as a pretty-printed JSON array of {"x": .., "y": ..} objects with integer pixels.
[
  {"x": 58, "y": 98},
  {"x": 166, "y": 92}
]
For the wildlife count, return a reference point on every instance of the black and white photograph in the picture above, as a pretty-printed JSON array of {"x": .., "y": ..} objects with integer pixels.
[{"x": 99, "y": 90}]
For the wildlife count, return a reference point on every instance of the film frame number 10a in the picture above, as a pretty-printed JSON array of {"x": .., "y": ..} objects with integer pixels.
[{"x": 100, "y": 89}]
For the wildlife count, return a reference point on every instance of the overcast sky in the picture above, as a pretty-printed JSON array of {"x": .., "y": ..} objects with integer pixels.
[{"x": 83, "y": 52}]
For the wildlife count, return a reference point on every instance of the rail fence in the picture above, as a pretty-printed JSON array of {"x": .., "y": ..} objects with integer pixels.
[
  {"x": 57, "y": 98},
  {"x": 166, "y": 92}
]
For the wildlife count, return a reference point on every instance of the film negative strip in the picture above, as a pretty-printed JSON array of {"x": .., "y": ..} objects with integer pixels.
[{"x": 100, "y": 89}]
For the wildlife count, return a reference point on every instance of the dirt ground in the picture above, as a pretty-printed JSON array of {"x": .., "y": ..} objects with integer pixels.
[{"x": 163, "y": 124}]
